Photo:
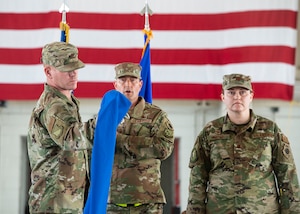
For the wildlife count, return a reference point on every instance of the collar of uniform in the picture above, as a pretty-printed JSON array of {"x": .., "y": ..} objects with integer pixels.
[
  {"x": 253, "y": 119},
  {"x": 53, "y": 90},
  {"x": 229, "y": 126},
  {"x": 137, "y": 111}
]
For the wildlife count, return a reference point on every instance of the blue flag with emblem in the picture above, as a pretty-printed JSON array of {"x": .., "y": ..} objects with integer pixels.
[{"x": 113, "y": 108}]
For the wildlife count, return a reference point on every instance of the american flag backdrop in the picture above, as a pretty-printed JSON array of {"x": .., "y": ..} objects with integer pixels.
[{"x": 195, "y": 42}]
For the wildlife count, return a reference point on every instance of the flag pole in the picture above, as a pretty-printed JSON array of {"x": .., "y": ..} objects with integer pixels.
[
  {"x": 147, "y": 30},
  {"x": 64, "y": 27},
  {"x": 146, "y": 90},
  {"x": 147, "y": 10}
]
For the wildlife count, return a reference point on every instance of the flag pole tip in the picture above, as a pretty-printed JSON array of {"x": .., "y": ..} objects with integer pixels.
[
  {"x": 146, "y": 10},
  {"x": 64, "y": 8}
]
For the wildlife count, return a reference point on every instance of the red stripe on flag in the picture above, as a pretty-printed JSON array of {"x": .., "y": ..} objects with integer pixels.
[
  {"x": 213, "y": 91},
  {"x": 113, "y": 21},
  {"x": 224, "y": 56},
  {"x": 20, "y": 91},
  {"x": 20, "y": 56},
  {"x": 160, "y": 91},
  {"x": 163, "y": 56}
]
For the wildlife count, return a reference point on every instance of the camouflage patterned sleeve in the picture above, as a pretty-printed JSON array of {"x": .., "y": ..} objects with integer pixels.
[
  {"x": 199, "y": 164},
  {"x": 154, "y": 142},
  {"x": 286, "y": 173},
  {"x": 66, "y": 129}
]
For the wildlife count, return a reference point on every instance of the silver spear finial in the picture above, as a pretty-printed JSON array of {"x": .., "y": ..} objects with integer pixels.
[{"x": 147, "y": 11}]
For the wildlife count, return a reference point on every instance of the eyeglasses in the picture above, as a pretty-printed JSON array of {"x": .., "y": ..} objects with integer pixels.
[{"x": 241, "y": 92}]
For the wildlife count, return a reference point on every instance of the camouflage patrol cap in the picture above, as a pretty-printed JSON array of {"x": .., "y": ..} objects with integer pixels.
[
  {"x": 62, "y": 56},
  {"x": 128, "y": 69},
  {"x": 236, "y": 80}
]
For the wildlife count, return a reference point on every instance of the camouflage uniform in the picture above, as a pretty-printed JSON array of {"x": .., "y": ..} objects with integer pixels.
[
  {"x": 144, "y": 139},
  {"x": 234, "y": 168},
  {"x": 58, "y": 146}
]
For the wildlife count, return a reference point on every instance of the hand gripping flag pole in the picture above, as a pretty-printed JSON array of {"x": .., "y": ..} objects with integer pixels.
[
  {"x": 145, "y": 62},
  {"x": 64, "y": 27}
]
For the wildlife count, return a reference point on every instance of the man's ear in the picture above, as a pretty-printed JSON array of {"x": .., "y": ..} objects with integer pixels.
[
  {"x": 222, "y": 96},
  {"x": 115, "y": 84},
  {"x": 141, "y": 83},
  {"x": 47, "y": 72}
]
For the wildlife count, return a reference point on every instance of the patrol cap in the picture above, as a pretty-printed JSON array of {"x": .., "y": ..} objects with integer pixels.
[
  {"x": 62, "y": 56},
  {"x": 236, "y": 80},
  {"x": 128, "y": 69}
]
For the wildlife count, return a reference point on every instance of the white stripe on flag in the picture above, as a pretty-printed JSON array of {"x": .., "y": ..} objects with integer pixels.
[
  {"x": 161, "y": 39},
  {"x": 162, "y": 74}
]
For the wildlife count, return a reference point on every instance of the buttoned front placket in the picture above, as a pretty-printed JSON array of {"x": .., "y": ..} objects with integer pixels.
[{"x": 241, "y": 160}]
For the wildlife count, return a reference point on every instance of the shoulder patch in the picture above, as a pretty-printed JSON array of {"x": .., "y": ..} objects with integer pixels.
[
  {"x": 57, "y": 130},
  {"x": 194, "y": 156}
]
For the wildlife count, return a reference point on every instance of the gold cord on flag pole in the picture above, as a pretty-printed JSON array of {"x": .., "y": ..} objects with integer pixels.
[
  {"x": 65, "y": 27},
  {"x": 149, "y": 36}
]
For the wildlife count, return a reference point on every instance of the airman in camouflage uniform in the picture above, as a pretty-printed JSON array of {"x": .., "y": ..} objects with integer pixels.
[
  {"x": 242, "y": 162},
  {"x": 59, "y": 143},
  {"x": 144, "y": 139}
]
